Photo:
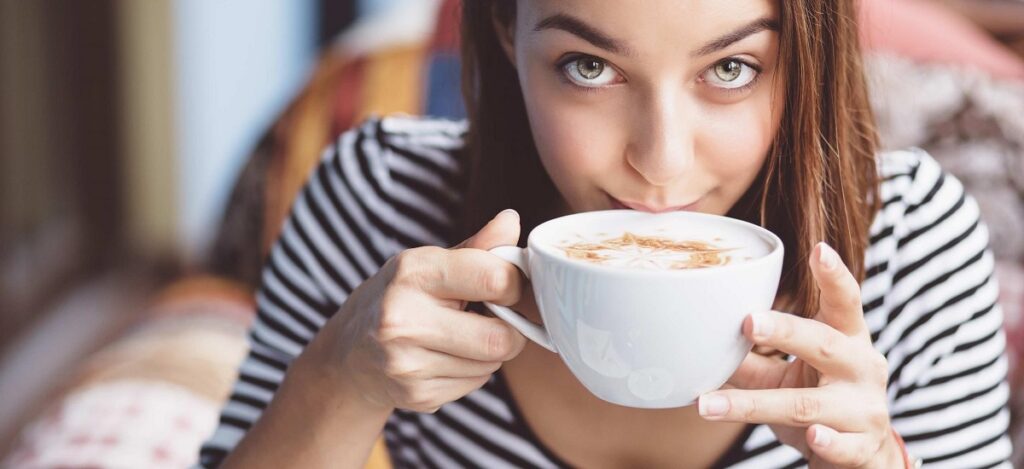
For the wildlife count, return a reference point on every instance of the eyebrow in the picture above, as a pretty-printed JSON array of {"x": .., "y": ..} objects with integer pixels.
[
  {"x": 754, "y": 27},
  {"x": 578, "y": 27}
]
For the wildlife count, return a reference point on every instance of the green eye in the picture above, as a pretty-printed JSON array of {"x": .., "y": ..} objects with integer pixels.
[
  {"x": 589, "y": 67},
  {"x": 589, "y": 71},
  {"x": 730, "y": 74},
  {"x": 728, "y": 70}
]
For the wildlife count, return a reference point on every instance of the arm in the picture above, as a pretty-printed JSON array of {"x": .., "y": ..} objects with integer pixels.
[
  {"x": 311, "y": 423},
  {"x": 299, "y": 293},
  {"x": 335, "y": 349},
  {"x": 948, "y": 392},
  {"x": 935, "y": 371}
]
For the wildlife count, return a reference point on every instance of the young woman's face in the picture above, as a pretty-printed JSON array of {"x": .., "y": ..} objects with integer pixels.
[{"x": 655, "y": 105}]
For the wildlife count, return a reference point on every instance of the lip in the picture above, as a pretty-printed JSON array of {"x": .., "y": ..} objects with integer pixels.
[{"x": 621, "y": 204}]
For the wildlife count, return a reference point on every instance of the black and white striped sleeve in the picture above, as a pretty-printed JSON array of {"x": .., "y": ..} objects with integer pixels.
[
  {"x": 353, "y": 213},
  {"x": 943, "y": 332}
]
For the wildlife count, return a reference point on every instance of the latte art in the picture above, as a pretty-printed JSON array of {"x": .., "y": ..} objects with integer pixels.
[{"x": 650, "y": 253}]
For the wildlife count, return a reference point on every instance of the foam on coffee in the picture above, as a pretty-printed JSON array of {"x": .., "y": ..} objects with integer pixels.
[{"x": 650, "y": 252}]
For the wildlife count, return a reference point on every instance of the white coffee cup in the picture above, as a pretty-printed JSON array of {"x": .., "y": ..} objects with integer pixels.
[{"x": 645, "y": 338}]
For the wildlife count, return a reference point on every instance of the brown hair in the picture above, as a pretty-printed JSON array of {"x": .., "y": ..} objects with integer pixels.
[{"x": 819, "y": 182}]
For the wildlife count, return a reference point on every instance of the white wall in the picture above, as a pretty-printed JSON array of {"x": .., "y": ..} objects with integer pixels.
[{"x": 237, "y": 63}]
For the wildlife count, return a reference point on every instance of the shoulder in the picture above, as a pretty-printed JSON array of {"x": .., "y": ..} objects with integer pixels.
[
  {"x": 383, "y": 142},
  {"x": 927, "y": 237},
  {"x": 389, "y": 151},
  {"x": 918, "y": 198},
  {"x": 422, "y": 126},
  {"x": 908, "y": 175},
  {"x": 404, "y": 171}
]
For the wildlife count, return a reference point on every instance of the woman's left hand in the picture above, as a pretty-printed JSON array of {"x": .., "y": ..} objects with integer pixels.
[{"x": 830, "y": 402}]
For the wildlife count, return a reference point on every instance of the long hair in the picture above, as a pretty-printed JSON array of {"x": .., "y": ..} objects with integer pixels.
[{"x": 819, "y": 182}]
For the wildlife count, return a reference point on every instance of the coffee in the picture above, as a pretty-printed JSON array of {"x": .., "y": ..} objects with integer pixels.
[
  {"x": 633, "y": 328},
  {"x": 650, "y": 252}
]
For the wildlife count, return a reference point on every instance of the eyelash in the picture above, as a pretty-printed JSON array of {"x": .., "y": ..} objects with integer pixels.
[
  {"x": 748, "y": 86},
  {"x": 569, "y": 58},
  {"x": 560, "y": 66}
]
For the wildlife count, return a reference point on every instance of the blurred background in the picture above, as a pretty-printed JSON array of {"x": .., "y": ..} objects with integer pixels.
[
  {"x": 149, "y": 148},
  {"x": 125, "y": 123}
]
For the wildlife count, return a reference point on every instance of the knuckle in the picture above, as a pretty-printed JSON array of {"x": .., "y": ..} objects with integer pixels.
[
  {"x": 420, "y": 399},
  {"x": 393, "y": 325},
  {"x": 881, "y": 369},
  {"x": 499, "y": 344},
  {"x": 388, "y": 367},
  {"x": 844, "y": 294},
  {"x": 748, "y": 408},
  {"x": 879, "y": 419},
  {"x": 511, "y": 291},
  {"x": 495, "y": 282},
  {"x": 849, "y": 296},
  {"x": 828, "y": 348},
  {"x": 858, "y": 458},
  {"x": 402, "y": 261},
  {"x": 783, "y": 329},
  {"x": 806, "y": 410},
  {"x": 409, "y": 264},
  {"x": 401, "y": 366}
]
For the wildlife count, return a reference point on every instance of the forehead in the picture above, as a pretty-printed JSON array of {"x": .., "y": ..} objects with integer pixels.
[{"x": 670, "y": 26}]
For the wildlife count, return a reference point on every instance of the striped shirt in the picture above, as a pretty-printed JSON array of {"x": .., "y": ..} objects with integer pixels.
[{"x": 929, "y": 300}]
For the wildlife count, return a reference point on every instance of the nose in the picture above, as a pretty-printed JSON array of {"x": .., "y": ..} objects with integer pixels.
[{"x": 661, "y": 147}]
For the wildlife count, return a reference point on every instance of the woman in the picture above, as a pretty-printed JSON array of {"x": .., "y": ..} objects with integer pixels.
[{"x": 753, "y": 109}]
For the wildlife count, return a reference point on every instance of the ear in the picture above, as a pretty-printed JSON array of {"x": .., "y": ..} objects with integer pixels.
[{"x": 505, "y": 31}]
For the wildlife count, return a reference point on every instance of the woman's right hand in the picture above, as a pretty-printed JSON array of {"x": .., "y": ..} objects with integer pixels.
[{"x": 403, "y": 339}]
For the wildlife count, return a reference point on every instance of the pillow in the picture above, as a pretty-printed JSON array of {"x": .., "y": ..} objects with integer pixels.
[{"x": 928, "y": 31}]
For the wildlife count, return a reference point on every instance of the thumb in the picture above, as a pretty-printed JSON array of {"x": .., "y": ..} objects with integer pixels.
[{"x": 502, "y": 230}]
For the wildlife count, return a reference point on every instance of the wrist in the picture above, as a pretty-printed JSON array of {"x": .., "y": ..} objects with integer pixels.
[
  {"x": 311, "y": 422},
  {"x": 333, "y": 385}
]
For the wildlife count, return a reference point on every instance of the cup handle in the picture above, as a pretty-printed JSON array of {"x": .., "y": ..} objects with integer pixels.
[{"x": 538, "y": 334}]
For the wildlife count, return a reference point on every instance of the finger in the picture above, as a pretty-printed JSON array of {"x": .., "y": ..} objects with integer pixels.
[
  {"x": 459, "y": 274},
  {"x": 502, "y": 230},
  {"x": 476, "y": 275},
  {"x": 791, "y": 407},
  {"x": 758, "y": 372},
  {"x": 824, "y": 348},
  {"x": 843, "y": 449},
  {"x": 840, "y": 304},
  {"x": 469, "y": 335},
  {"x": 419, "y": 363}
]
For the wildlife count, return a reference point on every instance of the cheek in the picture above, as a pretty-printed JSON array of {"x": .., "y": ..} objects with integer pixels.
[
  {"x": 735, "y": 144},
  {"x": 576, "y": 138}
]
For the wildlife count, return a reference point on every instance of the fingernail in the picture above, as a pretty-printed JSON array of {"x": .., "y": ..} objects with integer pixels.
[
  {"x": 822, "y": 436},
  {"x": 508, "y": 211},
  {"x": 763, "y": 326},
  {"x": 710, "y": 405},
  {"x": 827, "y": 256}
]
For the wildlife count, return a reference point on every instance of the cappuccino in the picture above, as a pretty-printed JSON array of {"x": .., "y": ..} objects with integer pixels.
[
  {"x": 643, "y": 308},
  {"x": 651, "y": 252}
]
